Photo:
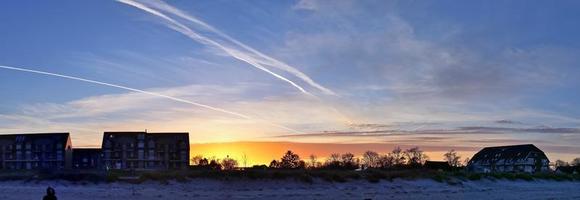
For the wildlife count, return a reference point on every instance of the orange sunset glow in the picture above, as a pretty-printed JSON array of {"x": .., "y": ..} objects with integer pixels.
[{"x": 263, "y": 152}]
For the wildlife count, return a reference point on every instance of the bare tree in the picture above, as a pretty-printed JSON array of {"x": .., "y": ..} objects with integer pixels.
[
  {"x": 575, "y": 162},
  {"x": 245, "y": 159},
  {"x": 229, "y": 163},
  {"x": 466, "y": 161},
  {"x": 334, "y": 157},
  {"x": 333, "y": 160},
  {"x": 415, "y": 156},
  {"x": 348, "y": 161},
  {"x": 452, "y": 158},
  {"x": 561, "y": 163},
  {"x": 214, "y": 165},
  {"x": 398, "y": 156},
  {"x": 370, "y": 159},
  {"x": 313, "y": 162},
  {"x": 195, "y": 160},
  {"x": 386, "y": 161}
]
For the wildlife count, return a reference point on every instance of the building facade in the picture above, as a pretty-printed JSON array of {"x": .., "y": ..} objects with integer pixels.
[
  {"x": 517, "y": 158},
  {"x": 50, "y": 151},
  {"x": 86, "y": 158},
  {"x": 142, "y": 150}
]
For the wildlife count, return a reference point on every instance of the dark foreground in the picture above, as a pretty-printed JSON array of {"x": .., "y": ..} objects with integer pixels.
[{"x": 289, "y": 189}]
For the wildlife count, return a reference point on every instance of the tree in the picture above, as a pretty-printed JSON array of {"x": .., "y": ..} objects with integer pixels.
[
  {"x": 229, "y": 163},
  {"x": 398, "y": 156},
  {"x": 348, "y": 161},
  {"x": 214, "y": 165},
  {"x": 370, "y": 159},
  {"x": 301, "y": 164},
  {"x": 313, "y": 161},
  {"x": 575, "y": 162},
  {"x": 415, "y": 157},
  {"x": 386, "y": 161},
  {"x": 561, "y": 163},
  {"x": 466, "y": 161},
  {"x": 274, "y": 164},
  {"x": 245, "y": 160},
  {"x": 333, "y": 161},
  {"x": 290, "y": 160},
  {"x": 195, "y": 160},
  {"x": 452, "y": 158},
  {"x": 204, "y": 162}
]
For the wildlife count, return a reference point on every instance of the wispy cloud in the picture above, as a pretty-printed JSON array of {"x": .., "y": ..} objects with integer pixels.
[
  {"x": 505, "y": 121},
  {"x": 231, "y": 46},
  {"x": 127, "y": 88},
  {"x": 156, "y": 94},
  {"x": 306, "y": 5},
  {"x": 451, "y": 131},
  {"x": 137, "y": 111}
]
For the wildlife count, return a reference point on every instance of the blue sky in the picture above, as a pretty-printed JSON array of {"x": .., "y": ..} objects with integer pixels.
[{"x": 463, "y": 74}]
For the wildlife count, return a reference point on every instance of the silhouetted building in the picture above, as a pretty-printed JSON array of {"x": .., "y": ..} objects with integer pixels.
[
  {"x": 86, "y": 158},
  {"x": 437, "y": 165},
  {"x": 142, "y": 150},
  {"x": 568, "y": 169},
  {"x": 35, "y": 151},
  {"x": 517, "y": 158}
]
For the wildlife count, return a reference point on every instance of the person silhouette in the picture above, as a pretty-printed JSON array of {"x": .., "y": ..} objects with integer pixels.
[{"x": 50, "y": 194}]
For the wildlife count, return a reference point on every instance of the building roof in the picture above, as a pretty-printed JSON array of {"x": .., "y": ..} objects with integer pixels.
[
  {"x": 64, "y": 138},
  {"x": 108, "y": 135},
  {"x": 513, "y": 152},
  {"x": 34, "y": 134},
  {"x": 143, "y": 132}
]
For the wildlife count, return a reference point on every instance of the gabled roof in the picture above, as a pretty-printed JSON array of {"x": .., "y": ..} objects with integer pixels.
[{"x": 513, "y": 152}]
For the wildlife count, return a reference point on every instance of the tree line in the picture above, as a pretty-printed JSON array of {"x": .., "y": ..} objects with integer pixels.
[
  {"x": 560, "y": 163},
  {"x": 396, "y": 159}
]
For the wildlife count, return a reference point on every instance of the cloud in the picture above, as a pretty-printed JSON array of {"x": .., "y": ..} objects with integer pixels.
[
  {"x": 523, "y": 130},
  {"x": 137, "y": 111},
  {"x": 230, "y": 46},
  {"x": 504, "y": 121},
  {"x": 310, "y": 5},
  {"x": 413, "y": 62},
  {"x": 127, "y": 88},
  {"x": 439, "y": 132}
]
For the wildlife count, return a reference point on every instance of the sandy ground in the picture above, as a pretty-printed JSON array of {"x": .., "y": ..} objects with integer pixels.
[{"x": 211, "y": 189}]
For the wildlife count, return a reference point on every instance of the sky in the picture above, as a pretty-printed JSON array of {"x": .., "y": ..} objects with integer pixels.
[{"x": 317, "y": 76}]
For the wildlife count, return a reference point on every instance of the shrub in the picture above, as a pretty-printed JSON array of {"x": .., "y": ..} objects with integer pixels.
[
  {"x": 440, "y": 177},
  {"x": 526, "y": 177},
  {"x": 305, "y": 178},
  {"x": 474, "y": 177}
]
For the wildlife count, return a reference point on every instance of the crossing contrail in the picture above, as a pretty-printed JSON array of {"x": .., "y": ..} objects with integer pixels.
[
  {"x": 243, "y": 52},
  {"x": 144, "y": 92}
]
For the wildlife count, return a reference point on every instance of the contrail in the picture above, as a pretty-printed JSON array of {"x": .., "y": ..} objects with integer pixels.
[
  {"x": 254, "y": 58},
  {"x": 128, "y": 88},
  {"x": 250, "y": 55},
  {"x": 268, "y": 60},
  {"x": 144, "y": 92}
]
